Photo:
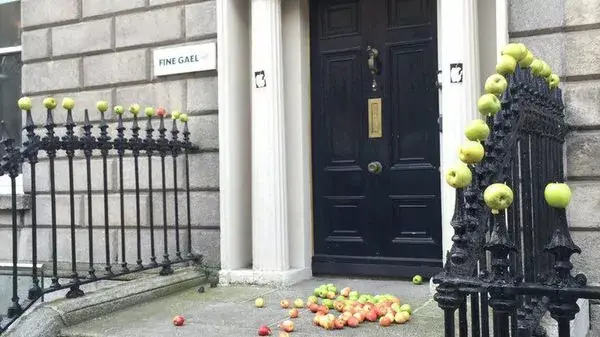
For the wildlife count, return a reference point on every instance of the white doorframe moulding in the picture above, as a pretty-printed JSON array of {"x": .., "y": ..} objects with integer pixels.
[{"x": 457, "y": 42}]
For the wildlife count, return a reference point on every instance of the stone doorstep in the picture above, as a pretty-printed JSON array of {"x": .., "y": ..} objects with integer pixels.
[{"x": 47, "y": 319}]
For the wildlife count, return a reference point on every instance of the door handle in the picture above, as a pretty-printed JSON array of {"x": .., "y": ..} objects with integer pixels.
[
  {"x": 373, "y": 60},
  {"x": 374, "y": 167}
]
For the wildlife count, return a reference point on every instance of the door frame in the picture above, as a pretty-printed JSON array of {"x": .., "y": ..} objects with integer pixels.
[{"x": 458, "y": 44}]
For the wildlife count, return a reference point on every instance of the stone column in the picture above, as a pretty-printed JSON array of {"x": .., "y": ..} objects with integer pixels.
[{"x": 269, "y": 187}]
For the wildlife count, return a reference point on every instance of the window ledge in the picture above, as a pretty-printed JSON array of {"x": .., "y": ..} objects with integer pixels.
[{"x": 23, "y": 202}]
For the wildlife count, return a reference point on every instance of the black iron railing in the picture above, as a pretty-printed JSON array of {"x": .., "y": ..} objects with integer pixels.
[
  {"x": 154, "y": 143},
  {"x": 516, "y": 262}
]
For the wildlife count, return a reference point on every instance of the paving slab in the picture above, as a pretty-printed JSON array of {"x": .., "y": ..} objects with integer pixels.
[{"x": 230, "y": 311}]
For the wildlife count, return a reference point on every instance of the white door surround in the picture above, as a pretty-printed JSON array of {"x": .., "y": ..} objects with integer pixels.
[{"x": 264, "y": 129}]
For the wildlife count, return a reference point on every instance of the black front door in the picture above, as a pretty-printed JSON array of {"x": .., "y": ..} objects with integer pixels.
[{"x": 385, "y": 223}]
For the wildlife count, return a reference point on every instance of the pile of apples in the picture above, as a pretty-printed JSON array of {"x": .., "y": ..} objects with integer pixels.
[
  {"x": 499, "y": 196},
  {"x": 346, "y": 308}
]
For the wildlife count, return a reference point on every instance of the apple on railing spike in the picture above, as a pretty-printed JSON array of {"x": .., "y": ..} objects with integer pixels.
[
  {"x": 546, "y": 70},
  {"x": 459, "y": 175},
  {"x": 49, "y": 103},
  {"x": 498, "y": 197},
  {"x": 471, "y": 152},
  {"x": 24, "y": 103},
  {"x": 149, "y": 111},
  {"x": 557, "y": 195},
  {"x": 515, "y": 50},
  {"x": 102, "y": 106},
  {"x": 488, "y": 104},
  {"x": 527, "y": 60},
  {"x": 536, "y": 67},
  {"x": 495, "y": 84},
  {"x": 553, "y": 81},
  {"x": 68, "y": 103},
  {"x": 506, "y": 65},
  {"x": 183, "y": 118},
  {"x": 477, "y": 130},
  {"x": 119, "y": 110},
  {"x": 175, "y": 115}
]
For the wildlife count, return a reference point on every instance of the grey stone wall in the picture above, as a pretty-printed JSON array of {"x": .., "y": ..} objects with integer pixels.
[
  {"x": 566, "y": 33},
  {"x": 102, "y": 50}
]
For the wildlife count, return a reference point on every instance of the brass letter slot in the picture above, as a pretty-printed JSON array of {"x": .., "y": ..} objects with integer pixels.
[{"x": 375, "y": 125}]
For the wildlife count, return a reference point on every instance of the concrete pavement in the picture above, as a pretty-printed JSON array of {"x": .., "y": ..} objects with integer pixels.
[{"x": 230, "y": 311}]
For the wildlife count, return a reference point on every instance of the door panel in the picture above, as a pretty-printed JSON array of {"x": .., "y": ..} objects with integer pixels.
[{"x": 387, "y": 223}]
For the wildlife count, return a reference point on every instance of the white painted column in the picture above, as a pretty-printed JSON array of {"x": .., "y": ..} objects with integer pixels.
[
  {"x": 458, "y": 44},
  {"x": 233, "y": 41},
  {"x": 501, "y": 24},
  {"x": 296, "y": 65},
  {"x": 270, "y": 246}
]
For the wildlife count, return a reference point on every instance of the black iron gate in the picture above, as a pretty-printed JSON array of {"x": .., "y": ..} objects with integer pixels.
[{"x": 516, "y": 262}]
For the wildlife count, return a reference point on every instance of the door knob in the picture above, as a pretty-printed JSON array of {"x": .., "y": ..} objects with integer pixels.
[{"x": 374, "y": 167}]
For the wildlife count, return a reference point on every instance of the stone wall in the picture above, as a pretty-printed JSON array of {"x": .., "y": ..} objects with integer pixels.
[
  {"x": 102, "y": 49},
  {"x": 566, "y": 33}
]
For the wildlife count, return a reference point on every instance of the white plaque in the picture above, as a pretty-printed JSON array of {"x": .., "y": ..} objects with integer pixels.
[{"x": 185, "y": 59}]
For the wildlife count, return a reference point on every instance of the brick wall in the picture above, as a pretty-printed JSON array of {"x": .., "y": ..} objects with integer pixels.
[
  {"x": 102, "y": 49},
  {"x": 566, "y": 33}
]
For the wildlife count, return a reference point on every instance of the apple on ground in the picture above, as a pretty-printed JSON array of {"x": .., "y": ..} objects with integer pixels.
[
  {"x": 345, "y": 292},
  {"x": 417, "y": 279},
  {"x": 287, "y": 326},
  {"x": 284, "y": 304},
  {"x": 298, "y": 303},
  {"x": 406, "y": 308},
  {"x": 477, "y": 130},
  {"x": 259, "y": 302},
  {"x": 498, "y": 197},
  {"x": 294, "y": 313},
  {"x": 178, "y": 320},
  {"x": 488, "y": 104},
  {"x": 471, "y": 152},
  {"x": 283, "y": 334},
  {"x": 506, "y": 65},
  {"x": 557, "y": 195},
  {"x": 516, "y": 50},
  {"x": 264, "y": 330},
  {"x": 353, "y": 322},
  {"x": 495, "y": 84},
  {"x": 339, "y": 324},
  {"x": 385, "y": 321}
]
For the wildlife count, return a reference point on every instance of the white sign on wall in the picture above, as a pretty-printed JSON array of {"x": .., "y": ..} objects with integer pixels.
[{"x": 185, "y": 59}]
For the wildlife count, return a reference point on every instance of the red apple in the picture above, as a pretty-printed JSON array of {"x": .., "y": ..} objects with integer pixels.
[
  {"x": 294, "y": 313},
  {"x": 287, "y": 326},
  {"x": 352, "y": 322},
  {"x": 339, "y": 324},
  {"x": 161, "y": 112},
  {"x": 385, "y": 321},
  {"x": 178, "y": 320},
  {"x": 264, "y": 330}
]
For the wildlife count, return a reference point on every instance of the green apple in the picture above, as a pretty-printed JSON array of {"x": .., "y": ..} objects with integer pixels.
[
  {"x": 175, "y": 115},
  {"x": 119, "y": 109},
  {"x": 495, "y": 84},
  {"x": 134, "y": 109},
  {"x": 322, "y": 293},
  {"x": 516, "y": 50},
  {"x": 471, "y": 152},
  {"x": 68, "y": 103},
  {"x": 49, "y": 103},
  {"x": 546, "y": 70},
  {"x": 498, "y": 197},
  {"x": 477, "y": 130},
  {"x": 24, "y": 103},
  {"x": 331, "y": 288},
  {"x": 313, "y": 299},
  {"x": 488, "y": 104},
  {"x": 417, "y": 279},
  {"x": 506, "y": 65},
  {"x": 299, "y": 303},
  {"x": 406, "y": 307},
  {"x": 259, "y": 302},
  {"x": 328, "y": 303},
  {"x": 557, "y": 195},
  {"x": 525, "y": 62},
  {"x": 553, "y": 81},
  {"x": 536, "y": 67},
  {"x": 395, "y": 307},
  {"x": 149, "y": 111},
  {"x": 340, "y": 298},
  {"x": 183, "y": 118},
  {"x": 316, "y": 291},
  {"x": 459, "y": 175},
  {"x": 102, "y": 106}
]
